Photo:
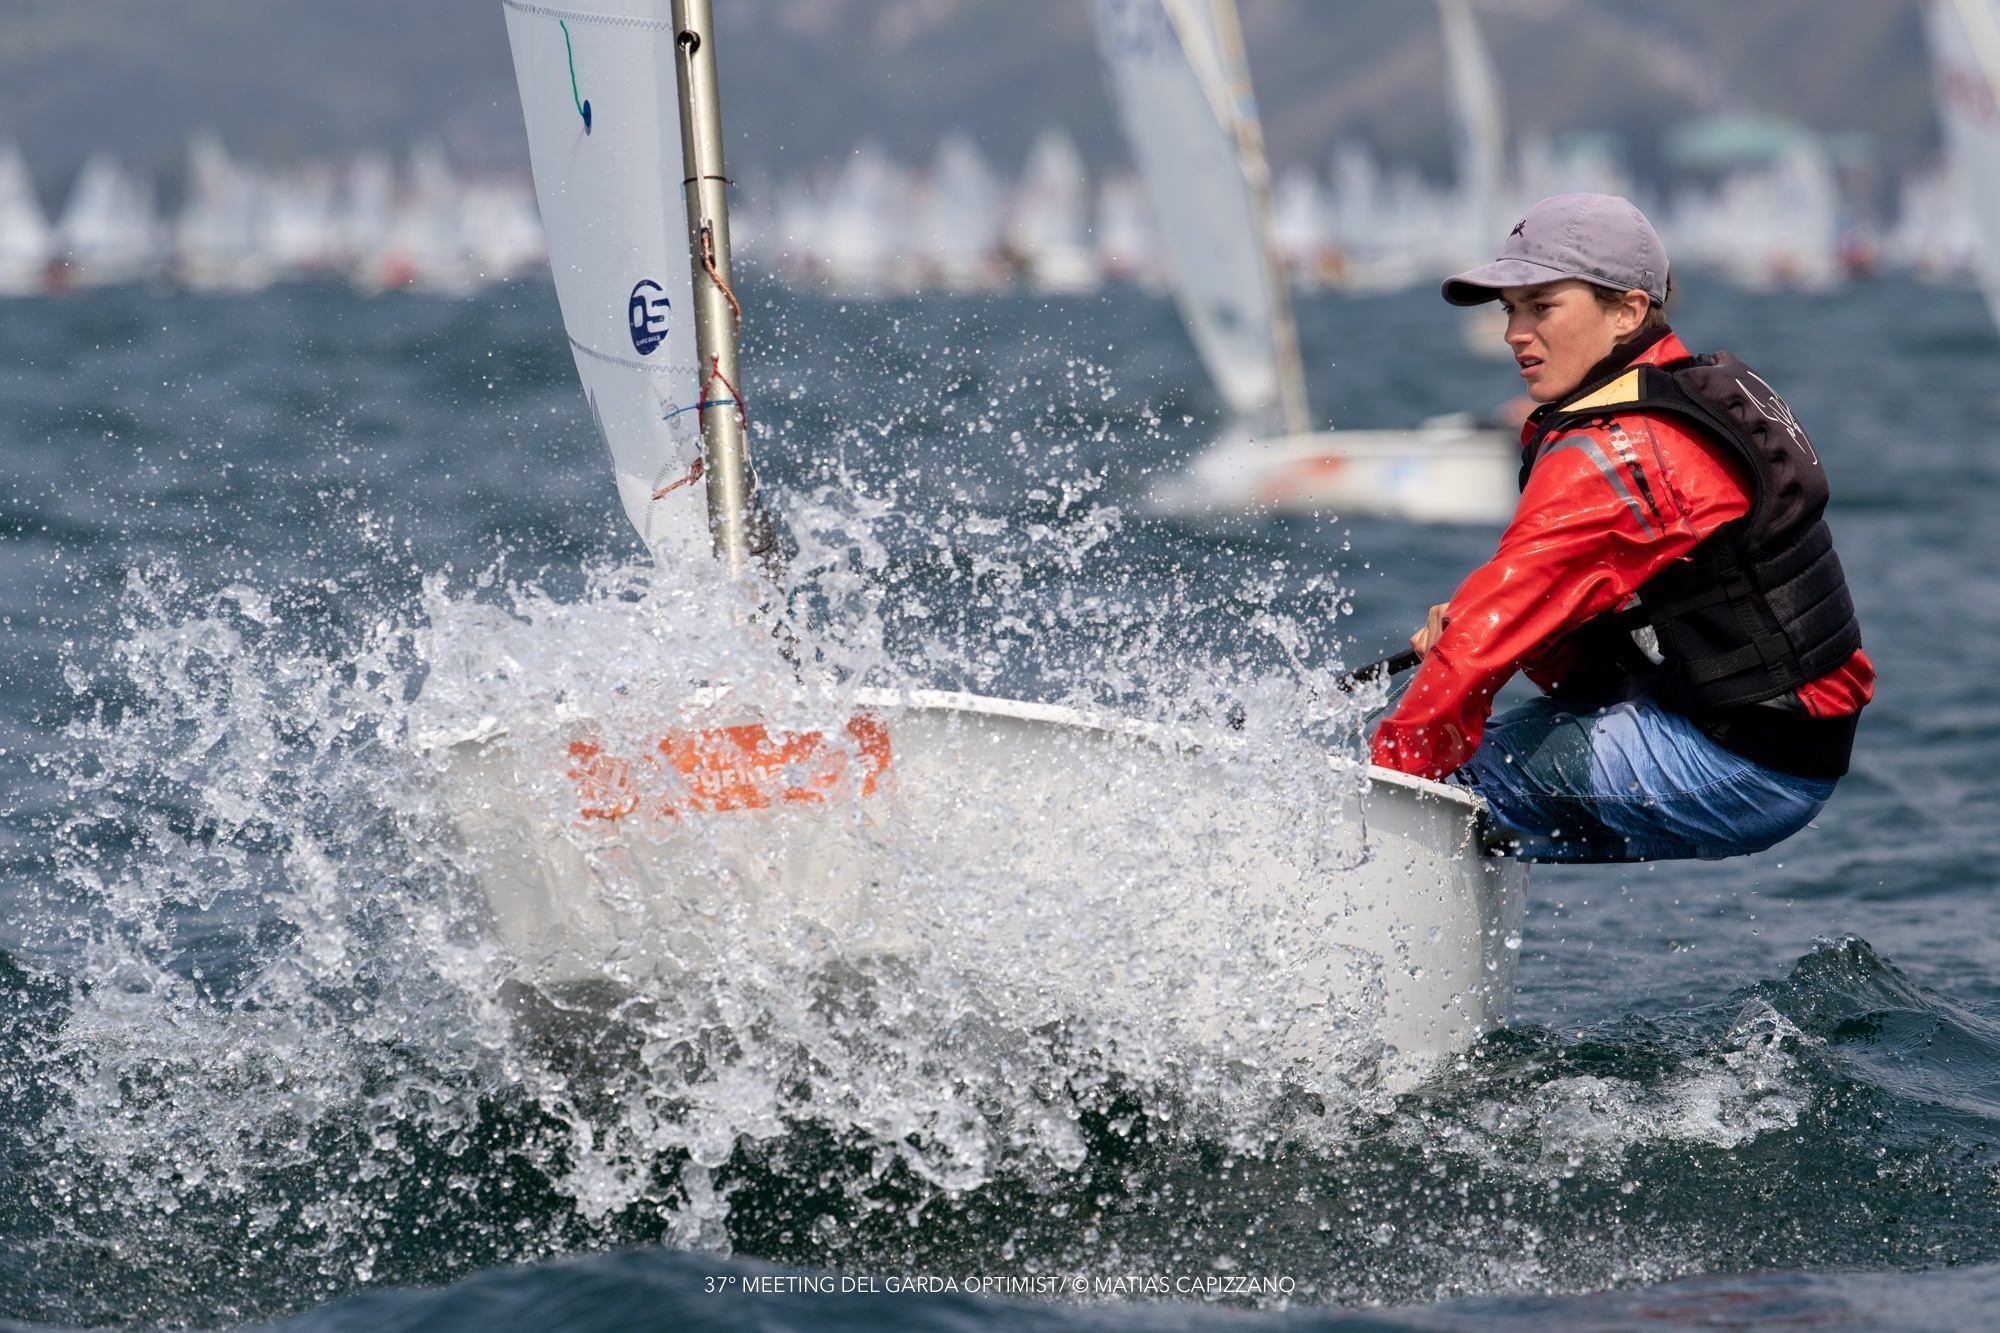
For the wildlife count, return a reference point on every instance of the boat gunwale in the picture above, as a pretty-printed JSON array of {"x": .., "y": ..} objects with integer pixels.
[
  {"x": 1111, "y": 724},
  {"x": 1159, "y": 735}
]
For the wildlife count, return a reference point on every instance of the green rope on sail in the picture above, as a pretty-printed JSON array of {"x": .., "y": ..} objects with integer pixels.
[{"x": 582, "y": 107}]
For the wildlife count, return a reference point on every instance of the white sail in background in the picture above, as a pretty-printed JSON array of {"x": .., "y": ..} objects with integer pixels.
[
  {"x": 26, "y": 243},
  {"x": 599, "y": 96},
  {"x": 1176, "y": 102},
  {"x": 1128, "y": 248},
  {"x": 1048, "y": 221},
  {"x": 1965, "y": 53},
  {"x": 296, "y": 229},
  {"x": 1476, "y": 107},
  {"x": 107, "y": 229},
  {"x": 365, "y": 213},
  {"x": 216, "y": 235},
  {"x": 427, "y": 248},
  {"x": 861, "y": 228},
  {"x": 958, "y": 222},
  {"x": 1299, "y": 227},
  {"x": 503, "y": 233}
]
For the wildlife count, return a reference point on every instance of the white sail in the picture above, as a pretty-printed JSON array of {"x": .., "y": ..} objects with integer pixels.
[
  {"x": 427, "y": 246},
  {"x": 296, "y": 229},
  {"x": 958, "y": 224},
  {"x": 26, "y": 243},
  {"x": 1128, "y": 248},
  {"x": 503, "y": 232},
  {"x": 1475, "y": 100},
  {"x": 107, "y": 230},
  {"x": 1299, "y": 227},
  {"x": 862, "y": 229},
  {"x": 1048, "y": 222},
  {"x": 216, "y": 235},
  {"x": 1965, "y": 52},
  {"x": 1171, "y": 77},
  {"x": 599, "y": 96}
]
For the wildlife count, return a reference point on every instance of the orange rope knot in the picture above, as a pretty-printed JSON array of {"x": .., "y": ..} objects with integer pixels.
[
  {"x": 695, "y": 469},
  {"x": 735, "y": 395},
  {"x": 715, "y": 275}
]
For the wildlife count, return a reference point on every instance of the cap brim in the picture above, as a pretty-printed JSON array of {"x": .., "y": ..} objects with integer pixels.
[{"x": 1480, "y": 285}]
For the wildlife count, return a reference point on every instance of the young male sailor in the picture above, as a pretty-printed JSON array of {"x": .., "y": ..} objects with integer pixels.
[{"x": 1668, "y": 580}]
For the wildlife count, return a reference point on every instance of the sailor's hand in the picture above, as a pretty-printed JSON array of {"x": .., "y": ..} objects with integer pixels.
[{"x": 1424, "y": 639}]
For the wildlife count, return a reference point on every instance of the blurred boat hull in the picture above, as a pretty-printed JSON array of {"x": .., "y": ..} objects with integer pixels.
[{"x": 1440, "y": 473}]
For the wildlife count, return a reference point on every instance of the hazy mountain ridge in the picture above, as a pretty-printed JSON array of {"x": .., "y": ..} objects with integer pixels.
[{"x": 807, "y": 79}]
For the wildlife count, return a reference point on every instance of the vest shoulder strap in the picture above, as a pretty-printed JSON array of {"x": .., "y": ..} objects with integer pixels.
[{"x": 1657, "y": 389}]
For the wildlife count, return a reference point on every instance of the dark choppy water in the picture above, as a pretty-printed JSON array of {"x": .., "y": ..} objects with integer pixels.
[{"x": 259, "y": 1060}]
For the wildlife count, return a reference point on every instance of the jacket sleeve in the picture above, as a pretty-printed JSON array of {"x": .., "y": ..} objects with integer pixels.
[
  {"x": 1585, "y": 536},
  {"x": 1549, "y": 663}
]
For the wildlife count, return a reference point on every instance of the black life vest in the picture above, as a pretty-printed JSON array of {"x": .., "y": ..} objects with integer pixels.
[{"x": 1761, "y": 606}]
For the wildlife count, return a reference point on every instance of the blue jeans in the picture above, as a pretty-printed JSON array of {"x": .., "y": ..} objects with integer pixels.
[{"x": 1630, "y": 782}]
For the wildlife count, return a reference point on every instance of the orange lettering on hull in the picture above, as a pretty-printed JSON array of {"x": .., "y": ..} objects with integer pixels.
[
  {"x": 1299, "y": 476},
  {"x": 746, "y": 767}
]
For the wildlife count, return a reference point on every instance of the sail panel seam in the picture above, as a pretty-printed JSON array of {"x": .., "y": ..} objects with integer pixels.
[
  {"x": 580, "y": 16},
  {"x": 626, "y": 361}
]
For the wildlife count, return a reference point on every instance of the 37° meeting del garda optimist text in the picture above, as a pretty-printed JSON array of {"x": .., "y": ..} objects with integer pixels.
[{"x": 1208, "y": 1285}]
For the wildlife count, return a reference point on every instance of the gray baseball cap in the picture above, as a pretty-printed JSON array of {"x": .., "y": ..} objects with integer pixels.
[{"x": 1599, "y": 238}]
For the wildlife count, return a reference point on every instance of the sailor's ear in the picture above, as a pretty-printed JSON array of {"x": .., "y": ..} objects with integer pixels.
[{"x": 1631, "y": 313}]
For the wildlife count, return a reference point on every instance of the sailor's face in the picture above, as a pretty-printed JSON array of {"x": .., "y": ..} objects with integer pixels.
[{"x": 1557, "y": 332}]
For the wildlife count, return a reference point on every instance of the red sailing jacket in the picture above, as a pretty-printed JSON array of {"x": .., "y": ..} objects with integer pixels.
[{"x": 1576, "y": 549}]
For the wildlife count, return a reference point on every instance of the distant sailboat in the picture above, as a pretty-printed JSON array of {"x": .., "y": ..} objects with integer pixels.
[
  {"x": 1965, "y": 52},
  {"x": 1127, "y": 248},
  {"x": 107, "y": 232},
  {"x": 728, "y": 819},
  {"x": 425, "y": 247},
  {"x": 216, "y": 237},
  {"x": 1299, "y": 227},
  {"x": 26, "y": 244},
  {"x": 1482, "y": 160},
  {"x": 503, "y": 232},
  {"x": 1479, "y": 121},
  {"x": 860, "y": 231},
  {"x": 958, "y": 220},
  {"x": 1048, "y": 223},
  {"x": 1178, "y": 75},
  {"x": 364, "y": 217},
  {"x": 297, "y": 230}
]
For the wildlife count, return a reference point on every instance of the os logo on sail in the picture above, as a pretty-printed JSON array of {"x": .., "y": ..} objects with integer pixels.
[{"x": 647, "y": 314}]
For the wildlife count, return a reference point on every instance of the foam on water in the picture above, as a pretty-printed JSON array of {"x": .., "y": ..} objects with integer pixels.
[
  {"x": 276, "y": 1049},
  {"x": 911, "y": 1003},
  {"x": 292, "y": 1031},
  {"x": 1746, "y": 1085},
  {"x": 288, "y": 996}
]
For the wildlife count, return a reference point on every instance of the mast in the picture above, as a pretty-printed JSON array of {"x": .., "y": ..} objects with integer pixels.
[
  {"x": 1249, "y": 133},
  {"x": 1475, "y": 95},
  {"x": 736, "y": 523}
]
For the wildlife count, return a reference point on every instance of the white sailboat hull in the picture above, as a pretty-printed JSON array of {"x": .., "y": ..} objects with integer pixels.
[
  {"x": 1433, "y": 474},
  {"x": 1250, "y": 943}
]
